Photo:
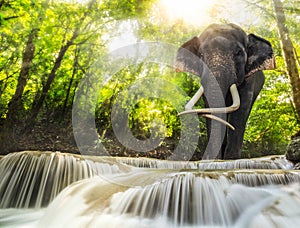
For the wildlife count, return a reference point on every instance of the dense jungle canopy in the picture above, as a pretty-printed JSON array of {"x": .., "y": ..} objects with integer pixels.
[{"x": 48, "y": 46}]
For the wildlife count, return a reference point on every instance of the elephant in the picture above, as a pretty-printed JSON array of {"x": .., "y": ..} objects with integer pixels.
[{"x": 230, "y": 63}]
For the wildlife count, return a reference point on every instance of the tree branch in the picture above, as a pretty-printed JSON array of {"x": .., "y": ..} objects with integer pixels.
[
  {"x": 256, "y": 5},
  {"x": 8, "y": 18}
]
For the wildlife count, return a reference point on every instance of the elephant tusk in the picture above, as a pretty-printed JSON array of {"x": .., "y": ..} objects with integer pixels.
[
  {"x": 219, "y": 120},
  {"x": 235, "y": 105},
  {"x": 235, "y": 99},
  {"x": 194, "y": 99}
]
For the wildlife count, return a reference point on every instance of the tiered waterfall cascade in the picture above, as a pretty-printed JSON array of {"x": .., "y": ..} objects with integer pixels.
[{"x": 46, "y": 189}]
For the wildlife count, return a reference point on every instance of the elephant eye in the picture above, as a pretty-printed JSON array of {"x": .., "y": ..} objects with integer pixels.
[{"x": 239, "y": 52}]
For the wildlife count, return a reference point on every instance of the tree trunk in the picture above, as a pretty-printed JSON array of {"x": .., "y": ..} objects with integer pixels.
[
  {"x": 8, "y": 133},
  {"x": 288, "y": 53},
  {"x": 28, "y": 55},
  {"x": 75, "y": 66},
  {"x": 37, "y": 105}
]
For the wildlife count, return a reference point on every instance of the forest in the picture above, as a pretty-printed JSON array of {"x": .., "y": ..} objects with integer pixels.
[{"x": 48, "y": 47}]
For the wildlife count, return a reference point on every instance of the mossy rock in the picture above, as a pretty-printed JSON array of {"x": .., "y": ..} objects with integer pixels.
[{"x": 293, "y": 150}]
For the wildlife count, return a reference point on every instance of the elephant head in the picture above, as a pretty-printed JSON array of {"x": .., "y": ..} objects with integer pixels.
[
  {"x": 231, "y": 56},
  {"x": 230, "y": 64}
]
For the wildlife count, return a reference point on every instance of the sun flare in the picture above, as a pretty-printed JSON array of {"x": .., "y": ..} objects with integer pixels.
[{"x": 193, "y": 12}]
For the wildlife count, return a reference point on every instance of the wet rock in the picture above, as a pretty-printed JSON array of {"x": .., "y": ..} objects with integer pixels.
[{"x": 293, "y": 150}]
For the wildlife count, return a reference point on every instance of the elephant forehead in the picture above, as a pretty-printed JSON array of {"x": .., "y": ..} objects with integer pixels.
[
  {"x": 220, "y": 65},
  {"x": 228, "y": 31},
  {"x": 216, "y": 42},
  {"x": 218, "y": 47},
  {"x": 218, "y": 57}
]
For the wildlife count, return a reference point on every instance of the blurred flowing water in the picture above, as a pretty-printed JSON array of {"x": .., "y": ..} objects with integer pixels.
[{"x": 47, "y": 189}]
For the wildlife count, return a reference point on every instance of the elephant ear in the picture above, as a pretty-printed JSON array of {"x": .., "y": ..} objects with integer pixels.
[
  {"x": 188, "y": 57},
  {"x": 192, "y": 45},
  {"x": 260, "y": 55}
]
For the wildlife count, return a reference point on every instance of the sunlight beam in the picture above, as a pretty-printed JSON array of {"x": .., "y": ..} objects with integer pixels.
[{"x": 192, "y": 12}]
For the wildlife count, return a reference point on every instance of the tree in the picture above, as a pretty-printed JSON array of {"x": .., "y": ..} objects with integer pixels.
[
  {"x": 46, "y": 48},
  {"x": 15, "y": 105},
  {"x": 274, "y": 117},
  {"x": 81, "y": 34},
  {"x": 289, "y": 53},
  {"x": 79, "y": 29}
]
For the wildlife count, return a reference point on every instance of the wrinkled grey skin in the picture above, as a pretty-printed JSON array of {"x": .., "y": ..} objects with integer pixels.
[{"x": 232, "y": 56}]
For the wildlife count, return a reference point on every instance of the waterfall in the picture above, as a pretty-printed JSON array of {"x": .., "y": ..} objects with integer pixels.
[
  {"x": 33, "y": 179},
  {"x": 270, "y": 162},
  {"x": 172, "y": 199},
  {"x": 47, "y": 189},
  {"x": 175, "y": 199}
]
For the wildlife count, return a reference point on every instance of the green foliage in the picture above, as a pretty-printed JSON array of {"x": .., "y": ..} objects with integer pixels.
[
  {"x": 56, "y": 23},
  {"x": 93, "y": 24},
  {"x": 273, "y": 119},
  {"x": 143, "y": 108}
]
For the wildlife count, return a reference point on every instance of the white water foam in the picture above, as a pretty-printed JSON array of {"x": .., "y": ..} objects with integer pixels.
[{"x": 106, "y": 192}]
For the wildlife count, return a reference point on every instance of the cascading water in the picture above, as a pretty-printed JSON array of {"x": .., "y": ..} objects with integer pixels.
[
  {"x": 141, "y": 192},
  {"x": 32, "y": 179},
  {"x": 271, "y": 162},
  {"x": 190, "y": 200}
]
